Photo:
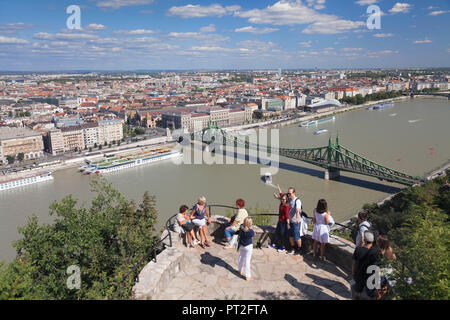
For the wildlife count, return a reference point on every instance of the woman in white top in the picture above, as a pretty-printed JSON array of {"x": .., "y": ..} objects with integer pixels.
[{"x": 321, "y": 233}]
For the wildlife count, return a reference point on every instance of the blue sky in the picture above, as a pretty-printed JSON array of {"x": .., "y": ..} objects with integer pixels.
[{"x": 200, "y": 34}]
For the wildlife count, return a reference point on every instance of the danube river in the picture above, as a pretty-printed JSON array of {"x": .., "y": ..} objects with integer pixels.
[{"x": 412, "y": 137}]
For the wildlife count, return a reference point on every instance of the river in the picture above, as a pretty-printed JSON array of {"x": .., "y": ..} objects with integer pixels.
[{"x": 412, "y": 137}]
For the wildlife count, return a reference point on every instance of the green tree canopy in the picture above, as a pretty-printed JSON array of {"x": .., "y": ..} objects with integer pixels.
[{"x": 105, "y": 241}]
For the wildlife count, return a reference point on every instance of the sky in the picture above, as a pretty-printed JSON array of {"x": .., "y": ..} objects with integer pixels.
[{"x": 222, "y": 34}]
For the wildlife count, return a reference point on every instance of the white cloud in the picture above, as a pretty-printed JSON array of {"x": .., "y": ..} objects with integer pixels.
[
  {"x": 210, "y": 28},
  {"x": 351, "y": 49},
  {"x": 94, "y": 27},
  {"x": 134, "y": 32},
  {"x": 435, "y": 13},
  {"x": 383, "y": 35},
  {"x": 254, "y": 30},
  {"x": 116, "y": 4},
  {"x": 317, "y": 4},
  {"x": 333, "y": 27},
  {"x": 306, "y": 44},
  {"x": 7, "y": 40},
  {"x": 366, "y": 2},
  {"x": 13, "y": 27},
  {"x": 423, "y": 41},
  {"x": 198, "y": 11},
  {"x": 64, "y": 36},
  {"x": 400, "y": 8},
  {"x": 290, "y": 12}
]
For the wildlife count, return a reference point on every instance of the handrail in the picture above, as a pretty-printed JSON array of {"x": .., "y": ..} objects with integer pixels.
[{"x": 267, "y": 214}]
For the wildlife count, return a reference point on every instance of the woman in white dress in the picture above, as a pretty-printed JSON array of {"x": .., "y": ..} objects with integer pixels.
[{"x": 320, "y": 233}]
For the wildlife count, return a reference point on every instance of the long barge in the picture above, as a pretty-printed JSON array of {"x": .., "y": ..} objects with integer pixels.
[
  {"x": 316, "y": 122},
  {"x": 25, "y": 181},
  {"x": 382, "y": 106},
  {"x": 125, "y": 162}
]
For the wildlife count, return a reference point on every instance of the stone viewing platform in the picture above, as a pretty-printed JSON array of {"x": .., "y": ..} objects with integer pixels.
[{"x": 182, "y": 273}]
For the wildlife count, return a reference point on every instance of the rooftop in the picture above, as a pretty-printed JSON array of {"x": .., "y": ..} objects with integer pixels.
[{"x": 7, "y": 133}]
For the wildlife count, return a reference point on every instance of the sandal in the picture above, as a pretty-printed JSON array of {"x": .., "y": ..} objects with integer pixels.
[
  {"x": 207, "y": 244},
  {"x": 202, "y": 245}
]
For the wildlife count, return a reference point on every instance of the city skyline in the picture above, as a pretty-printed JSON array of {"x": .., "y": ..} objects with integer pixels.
[{"x": 194, "y": 35}]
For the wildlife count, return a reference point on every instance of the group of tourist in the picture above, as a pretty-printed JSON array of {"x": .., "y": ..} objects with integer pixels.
[
  {"x": 198, "y": 216},
  {"x": 237, "y": 227},
  {"x": 371, "y": 248},
  {"x": 292, "y": 225}
]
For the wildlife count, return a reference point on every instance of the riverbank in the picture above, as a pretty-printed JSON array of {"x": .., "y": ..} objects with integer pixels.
[
  {"x": 53, "y": 166},
  {"x": 315, "y": 116}
]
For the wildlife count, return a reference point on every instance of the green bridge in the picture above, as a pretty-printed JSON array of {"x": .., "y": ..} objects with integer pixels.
[{"x": 334, "y": 157}]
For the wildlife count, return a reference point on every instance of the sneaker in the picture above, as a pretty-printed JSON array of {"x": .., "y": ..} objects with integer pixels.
[
  {"x": 191, "y": 246},
  {"x": 196, "y": 242},
  {"x": 273, "y": 246},
  {"x": 281, "y": 249},
  {"x": 298, "y": 252},
  {"x": 290, "y": 251}
]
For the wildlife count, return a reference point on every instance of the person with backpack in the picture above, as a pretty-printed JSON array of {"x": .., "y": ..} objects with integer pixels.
[
  {"x": 245, "y": 248},
  {"x": 320, "y": 234},
  {"x": 283, "y": 217},
  {"x": 364, "y": 257},
  {"x": 363, "y": 225},
  {"x": 294, "y": 222}
]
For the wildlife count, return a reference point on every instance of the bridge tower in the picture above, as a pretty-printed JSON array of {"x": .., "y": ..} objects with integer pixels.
[{"x": 331, "y": 172}]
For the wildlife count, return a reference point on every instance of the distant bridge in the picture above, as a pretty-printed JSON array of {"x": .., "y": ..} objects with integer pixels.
[{"x": 334, "y": 158}]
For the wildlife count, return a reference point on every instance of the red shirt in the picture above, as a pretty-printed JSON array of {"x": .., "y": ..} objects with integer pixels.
[{"x": 283, "y": 212}]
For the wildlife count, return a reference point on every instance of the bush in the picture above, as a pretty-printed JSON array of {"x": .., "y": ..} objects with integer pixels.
[{"x": 105, "y": 241}]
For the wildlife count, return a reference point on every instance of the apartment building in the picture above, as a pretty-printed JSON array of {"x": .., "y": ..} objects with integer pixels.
[
  {"x": 219, "y": 116},
  {"x": 54, "y": 142},
  {"x": 14, "y": 141},
  {"x": 110, "y": 130},
  {"x": 64, "y": 139},
  {"x": 73, "y": 138}
]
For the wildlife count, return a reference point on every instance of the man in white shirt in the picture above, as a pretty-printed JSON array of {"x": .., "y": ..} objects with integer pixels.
[{"x": 293, "y": 224}]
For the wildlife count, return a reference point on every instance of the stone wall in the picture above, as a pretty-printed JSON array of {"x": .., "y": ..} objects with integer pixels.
[{"x": 156, "y": 276}]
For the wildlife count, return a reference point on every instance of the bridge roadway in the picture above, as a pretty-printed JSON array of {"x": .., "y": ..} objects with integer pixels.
[{"x": 212, "y": 273}]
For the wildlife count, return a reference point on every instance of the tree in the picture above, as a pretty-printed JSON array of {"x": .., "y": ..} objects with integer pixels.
[
  {"x": 139, "y": 131},
  {"x": 105, "y": 241},
  {"x": 10, "y": 159},
  {"x": 423, "y": 244}
]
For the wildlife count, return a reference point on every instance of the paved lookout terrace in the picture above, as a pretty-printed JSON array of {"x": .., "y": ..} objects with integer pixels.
[{"x": 207, "y": 274}]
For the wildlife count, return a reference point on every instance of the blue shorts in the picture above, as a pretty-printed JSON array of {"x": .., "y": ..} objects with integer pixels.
[
  {"x": 294, "y": 231},
  {"x": 230, "y": 232}
]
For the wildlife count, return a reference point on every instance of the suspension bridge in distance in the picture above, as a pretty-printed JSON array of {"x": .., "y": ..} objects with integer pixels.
[{"x": 334, "y": 157}]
